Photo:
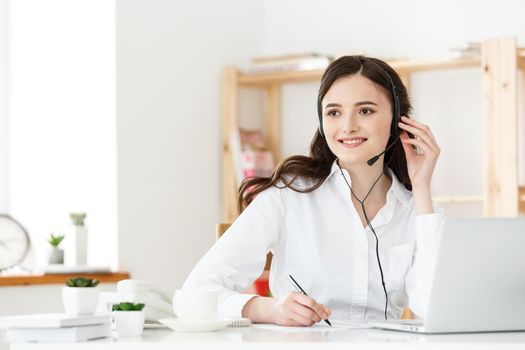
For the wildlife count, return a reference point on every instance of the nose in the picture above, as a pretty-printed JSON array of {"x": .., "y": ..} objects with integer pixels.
[{"x": 350, "y": 124}]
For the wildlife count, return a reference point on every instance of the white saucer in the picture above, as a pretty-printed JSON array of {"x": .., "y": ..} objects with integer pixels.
[{"x": 195, "y": 326}]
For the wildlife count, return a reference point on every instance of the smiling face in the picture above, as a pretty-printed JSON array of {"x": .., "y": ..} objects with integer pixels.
[{"x": 356, "y": 119}]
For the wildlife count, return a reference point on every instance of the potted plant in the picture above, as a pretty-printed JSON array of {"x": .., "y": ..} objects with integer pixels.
[
  {"x": 56, "y": 255},
  {"x": 129, "y": 319},
  {"x": 77, "y": 240},
  {"x": 80, "y": 296}
]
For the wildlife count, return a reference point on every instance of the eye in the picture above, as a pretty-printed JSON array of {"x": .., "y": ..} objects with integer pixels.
[
  {"x": 366, "y": 111},
  {"x": 332, "y": 113}
]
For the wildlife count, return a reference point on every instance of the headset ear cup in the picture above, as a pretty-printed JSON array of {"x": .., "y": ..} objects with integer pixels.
[
  {"x": 320, "y": 116},
  {"x": 394, "y": 130},
  {"x": 397, "y": 116}
]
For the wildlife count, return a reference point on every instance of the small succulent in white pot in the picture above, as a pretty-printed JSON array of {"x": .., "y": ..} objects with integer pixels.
[
  {"x": 80, "y": 296},
  {"x": 78, "y": 218},
  {"x": 129, "y": 319},
  {"x": 56, "y": 255}
]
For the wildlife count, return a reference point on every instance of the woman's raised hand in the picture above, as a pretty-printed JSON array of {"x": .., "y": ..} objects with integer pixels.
[{"x": 420, "y": 166}]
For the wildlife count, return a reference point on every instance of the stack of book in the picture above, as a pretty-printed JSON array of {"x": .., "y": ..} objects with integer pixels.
[
  {"x": 297, "y": 62},
  {"x": 250, "y": 157},
  {"x": 469, "y": 50},
  {"x": 56, "y": 328}
]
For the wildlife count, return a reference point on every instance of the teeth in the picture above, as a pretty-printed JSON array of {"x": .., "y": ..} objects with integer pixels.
[{"x": 349, "y": 142}]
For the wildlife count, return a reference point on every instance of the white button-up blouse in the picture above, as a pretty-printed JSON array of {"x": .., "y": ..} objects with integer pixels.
[{"x": 319, "y": 239}]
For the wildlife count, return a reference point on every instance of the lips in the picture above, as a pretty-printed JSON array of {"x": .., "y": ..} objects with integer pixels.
[{"x": 352, "y": 141}]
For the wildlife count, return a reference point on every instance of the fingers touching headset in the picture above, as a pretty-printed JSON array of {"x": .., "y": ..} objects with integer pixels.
[
  {"x": 424, "y": 137},
  {"x": 420, "y": 166}
]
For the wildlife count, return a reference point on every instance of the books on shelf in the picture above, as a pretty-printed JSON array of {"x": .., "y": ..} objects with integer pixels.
[
  {"x": 250, "y": 157},
  {"x": 297, "y": 62},
  {"x": 470, "y": 49},
  {"x": 285, "y": 58},
  {"x": 56, "y": 327},
  {"x": 256, "y": 163}
]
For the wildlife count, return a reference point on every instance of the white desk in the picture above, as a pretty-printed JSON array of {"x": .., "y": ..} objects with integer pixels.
[{"x": 251, "y": 338}]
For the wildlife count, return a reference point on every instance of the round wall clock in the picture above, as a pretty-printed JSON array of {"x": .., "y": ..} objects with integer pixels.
[{"x": 14, "y": 242}]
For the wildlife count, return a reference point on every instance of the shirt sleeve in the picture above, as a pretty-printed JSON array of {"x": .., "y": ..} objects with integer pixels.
[
  {"x": 418, "y": 282},
  {"x": 239, "y": 256}
]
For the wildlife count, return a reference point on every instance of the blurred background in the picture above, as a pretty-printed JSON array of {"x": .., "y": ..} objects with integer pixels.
[{"x": 114, "y": 108}]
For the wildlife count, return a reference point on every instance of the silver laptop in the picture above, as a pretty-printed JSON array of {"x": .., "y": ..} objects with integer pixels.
[{"x": 479, "y": 282}]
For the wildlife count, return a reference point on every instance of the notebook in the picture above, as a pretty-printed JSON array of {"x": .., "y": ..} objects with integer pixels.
[
  {"x": 58, "y": 335},
  {"x": 53, "y": 320}
]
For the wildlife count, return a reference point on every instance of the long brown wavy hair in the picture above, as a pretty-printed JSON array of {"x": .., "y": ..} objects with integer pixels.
[{"x": 317, "y": 166}]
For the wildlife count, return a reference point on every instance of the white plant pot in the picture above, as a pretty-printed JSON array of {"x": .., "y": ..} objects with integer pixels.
[
  {"x": 80, "y": 300},
  {"x": 55, "y": 255},
  {"x": 77, "y": 246},
  {"x": 129, "y": 323}
]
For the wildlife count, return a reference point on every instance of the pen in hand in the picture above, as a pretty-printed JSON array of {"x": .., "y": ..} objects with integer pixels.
[{"x": 296, "y": 285}]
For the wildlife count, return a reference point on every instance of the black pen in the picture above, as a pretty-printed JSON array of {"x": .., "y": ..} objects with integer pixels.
[{"x": 296, "y": 285}]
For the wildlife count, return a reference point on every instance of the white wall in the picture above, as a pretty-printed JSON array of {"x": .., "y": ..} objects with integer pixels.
[
  {"x": 62, "y": 127},
  {"x": 411, "y": 28},
  {"x": 170, "y": 56},
  {"x": 449, "y": 101},
  {"x": 40, "y": 298},
  {"x": 4, "y": 26}
]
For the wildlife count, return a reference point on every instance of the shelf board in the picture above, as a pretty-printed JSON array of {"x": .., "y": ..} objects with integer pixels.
[
  {"x": 258, "y": 79},
  {"x": 475, "y": 199},
  {"x": 60, "y": 278},
  {"x": 426, "y": 65},
  {"x": 264, "y": 79},
  {"x": 459, "y": 199}
]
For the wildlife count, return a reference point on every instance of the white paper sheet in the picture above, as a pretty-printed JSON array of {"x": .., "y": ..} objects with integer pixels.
[{"x": 318, "y": 327}]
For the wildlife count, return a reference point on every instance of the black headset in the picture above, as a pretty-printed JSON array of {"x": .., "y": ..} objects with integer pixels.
[{"x": 394, "y": 132}]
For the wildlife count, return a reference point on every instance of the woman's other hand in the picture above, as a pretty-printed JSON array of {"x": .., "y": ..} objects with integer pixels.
[{"x": 295, "y": 309}]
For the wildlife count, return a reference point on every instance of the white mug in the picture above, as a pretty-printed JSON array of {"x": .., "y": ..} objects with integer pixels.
[{"x": 195, "y": 305}]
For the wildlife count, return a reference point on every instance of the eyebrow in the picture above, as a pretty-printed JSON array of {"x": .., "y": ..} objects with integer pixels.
[{"x": 360, "y": 103}]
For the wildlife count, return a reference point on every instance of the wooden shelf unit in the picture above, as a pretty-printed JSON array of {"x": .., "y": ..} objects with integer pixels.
[{"x": 500, "y": 61}]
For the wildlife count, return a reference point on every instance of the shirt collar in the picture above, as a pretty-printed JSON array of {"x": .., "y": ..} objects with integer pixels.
[{"x": 397, "y": 189}]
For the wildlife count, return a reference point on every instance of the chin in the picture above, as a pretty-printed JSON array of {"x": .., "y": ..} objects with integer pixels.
[
  {"x": 352, "y": 160},
  {"x": 354, "y": 156}
]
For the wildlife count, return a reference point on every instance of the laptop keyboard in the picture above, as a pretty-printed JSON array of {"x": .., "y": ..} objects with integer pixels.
[{"x": 410, "y": 322}]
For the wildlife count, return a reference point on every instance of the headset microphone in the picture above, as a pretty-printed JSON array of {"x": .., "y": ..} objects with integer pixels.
[{"x": 372, "y": 160}]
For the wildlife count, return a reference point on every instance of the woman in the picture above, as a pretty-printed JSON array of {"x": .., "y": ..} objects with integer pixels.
[{"x": 359, "y": 235}]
